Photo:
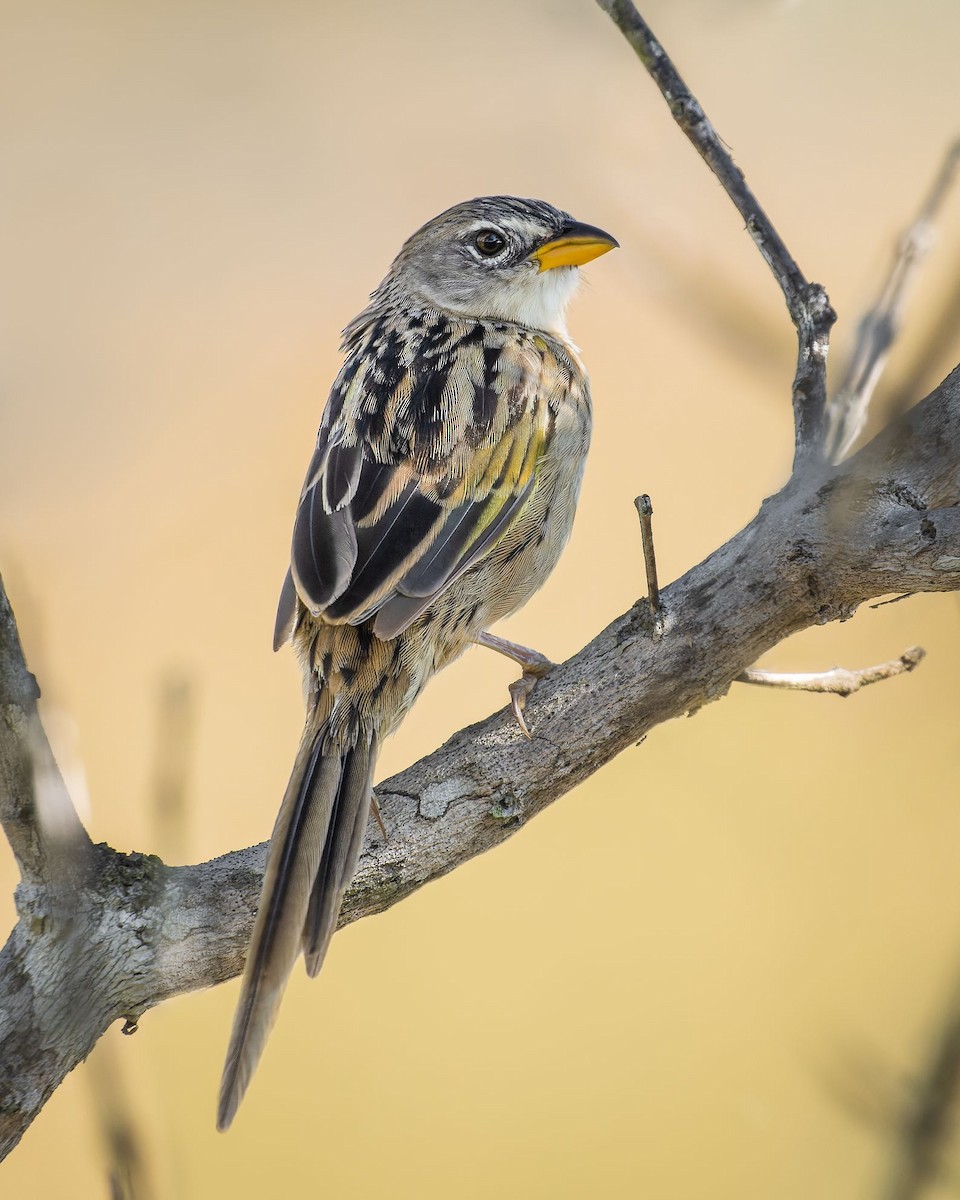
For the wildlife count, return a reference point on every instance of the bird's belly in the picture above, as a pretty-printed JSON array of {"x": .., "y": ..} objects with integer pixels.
[
  {"x": 520, "y": 563},
  {"x": 507, "y": 577}
]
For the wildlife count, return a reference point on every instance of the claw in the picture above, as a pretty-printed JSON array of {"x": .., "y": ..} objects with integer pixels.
[
  {"x": 376, "y": 813},
  {"x": 520, "y": 689},
  {"x": 535, "y": 666}
]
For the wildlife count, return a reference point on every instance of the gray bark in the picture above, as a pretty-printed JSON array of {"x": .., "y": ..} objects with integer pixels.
[{"x": 104, "y": 936}]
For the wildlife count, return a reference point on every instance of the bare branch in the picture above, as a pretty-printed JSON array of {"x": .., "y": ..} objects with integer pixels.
[
  {"x": 130, "y": 932},
  {"x": 176, "y": 730},
  {"x": 36, "y": 812},
  {"x": 878, "y": 328},
  {"x": 928, "y": 1115},
  {"x": 644, "y": 509},
  {"x": 128, "y": 1174},
  {"x": 18, "y": 699},
  {"x": 934, "y": 345},
  {"x": 838, "y": 681},
  {"x": 807, "y": 303}
]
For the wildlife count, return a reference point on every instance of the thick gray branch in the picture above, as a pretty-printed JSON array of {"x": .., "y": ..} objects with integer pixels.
[{"x": 120, "y": 933}]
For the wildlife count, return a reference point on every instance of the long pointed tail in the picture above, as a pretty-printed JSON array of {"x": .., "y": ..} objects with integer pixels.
[{"x": 312, "y": 858}]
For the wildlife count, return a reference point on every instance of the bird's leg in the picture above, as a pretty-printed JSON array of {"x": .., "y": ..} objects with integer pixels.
[{"x": 535, "y": 666}]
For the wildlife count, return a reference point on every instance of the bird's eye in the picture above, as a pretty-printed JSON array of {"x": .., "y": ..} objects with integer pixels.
[{"x": 489, "y": 242}]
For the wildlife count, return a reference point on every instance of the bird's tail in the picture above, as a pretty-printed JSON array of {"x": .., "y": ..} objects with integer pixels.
[{"x": 312, "y": 858}]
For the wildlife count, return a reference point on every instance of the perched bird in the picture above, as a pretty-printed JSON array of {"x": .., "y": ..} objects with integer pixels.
[{"x": 439, "y": 496}]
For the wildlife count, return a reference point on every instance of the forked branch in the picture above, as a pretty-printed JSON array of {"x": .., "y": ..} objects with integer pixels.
[{"x": 807, "y": 303}]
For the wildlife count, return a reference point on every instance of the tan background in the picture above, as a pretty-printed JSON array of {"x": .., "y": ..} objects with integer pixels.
[{"x": 654, "y": 990}]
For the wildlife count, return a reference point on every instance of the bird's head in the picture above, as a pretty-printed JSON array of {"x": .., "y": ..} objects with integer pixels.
[{"x": 499, "y": 258}]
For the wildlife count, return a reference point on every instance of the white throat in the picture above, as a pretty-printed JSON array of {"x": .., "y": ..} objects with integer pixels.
[
  {"x": 539, "y": 299},
  {"x": 534, "y": 298}
]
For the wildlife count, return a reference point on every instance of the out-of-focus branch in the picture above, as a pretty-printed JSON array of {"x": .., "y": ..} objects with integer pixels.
[
  {"x": 128, "y": 1171},
  {"x": 847, "y": 408},
  {"x": 176, "y": 728},
  {"x": 36, "y": 813},
  {"x": 838, "y": 681},
  {"x": 934, "y": 345},
  {"x": 128, "y": 1176},
  {"x": 807, "y": 303},
  {"x": 914, "y": 1114},
  {"x": 922, "y": 1133}
]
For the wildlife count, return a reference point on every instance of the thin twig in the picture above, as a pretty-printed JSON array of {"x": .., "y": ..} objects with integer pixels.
[
  {"x": 838, "y": 681},
  {"x": 807, "y": 303},
  {"x": 892, "y": 600},
  {"x": 644, "y": 508},
  {"x": 878, "y": 328}
]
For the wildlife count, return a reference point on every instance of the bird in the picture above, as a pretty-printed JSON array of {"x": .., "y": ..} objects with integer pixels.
[{"x": 441, "y": 491}]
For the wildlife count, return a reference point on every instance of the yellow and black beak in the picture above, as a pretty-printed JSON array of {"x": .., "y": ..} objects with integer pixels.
[{"x": 576, "y": 244}]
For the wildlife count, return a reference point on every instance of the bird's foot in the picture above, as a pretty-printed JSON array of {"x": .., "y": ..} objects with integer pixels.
[
  {"x": 520, "y": 691},
  {"x": 535, "y": 666}
]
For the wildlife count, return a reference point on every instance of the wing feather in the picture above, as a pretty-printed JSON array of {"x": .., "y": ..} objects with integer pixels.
[
  {"x": 401, "y": 609},
  {"x": 407, "y": 489},
  {"x": 383, "y": 551}
]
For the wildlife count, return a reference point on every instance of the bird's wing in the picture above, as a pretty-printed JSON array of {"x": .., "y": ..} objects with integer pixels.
[{"x": 417, "y": 473}]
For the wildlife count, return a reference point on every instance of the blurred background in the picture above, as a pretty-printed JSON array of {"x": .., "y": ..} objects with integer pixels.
[{"x": 719, "y": 968}]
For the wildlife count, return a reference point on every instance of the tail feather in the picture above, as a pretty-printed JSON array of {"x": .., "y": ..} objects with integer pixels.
[
  {"x": 341, "y": 853},
  {"x": 322, "y": 811}
]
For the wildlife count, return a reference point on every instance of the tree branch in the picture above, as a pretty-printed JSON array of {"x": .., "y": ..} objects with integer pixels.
[
  {"x": 131, "y": 932},
  {"x": 927, "y": 1117},
  {"x": 807, "y": 303},
  {"x": 644, "y": 509},
  {"x": 878, "y": 328},
  {"x": 104, "y": 936},
  {"x": 838, "y": 681},
  {"x": 36, "y": 812}
]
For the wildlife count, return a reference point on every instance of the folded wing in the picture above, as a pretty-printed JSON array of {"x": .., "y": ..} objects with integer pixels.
[{"x": 400, "y": 500}]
